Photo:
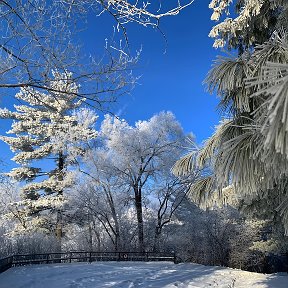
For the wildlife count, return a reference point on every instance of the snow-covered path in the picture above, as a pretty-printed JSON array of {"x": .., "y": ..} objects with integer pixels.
[{"x": 135, "y": 274}]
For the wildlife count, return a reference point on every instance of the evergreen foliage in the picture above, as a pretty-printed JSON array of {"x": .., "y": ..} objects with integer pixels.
[
  {"x": 46, "y": 126},
  {"x": 249, "y": 147}
]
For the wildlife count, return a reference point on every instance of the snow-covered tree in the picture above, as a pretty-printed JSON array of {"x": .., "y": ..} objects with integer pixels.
[
  {"x": 48, "y": 126},
  {"x": 8, "y": 193},
  {"x": 140, "y": 154},
  {"x": 249, "y": 146},
  {"x": 254, "y": 22},
  {"x": 100, "y": 197}
]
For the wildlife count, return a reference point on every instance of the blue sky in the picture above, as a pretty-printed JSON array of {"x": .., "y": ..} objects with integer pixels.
[
  {"x": 173, "y": 80},
  {"x": 171, "y": 72}
]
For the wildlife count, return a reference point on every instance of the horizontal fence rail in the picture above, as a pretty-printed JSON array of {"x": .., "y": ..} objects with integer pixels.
[{"x": 82, "y": 256}]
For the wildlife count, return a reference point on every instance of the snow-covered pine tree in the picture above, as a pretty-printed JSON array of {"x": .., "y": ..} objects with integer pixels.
[
  {"x": 48, "y": 126},
  {"x": 249, "y": 147}
]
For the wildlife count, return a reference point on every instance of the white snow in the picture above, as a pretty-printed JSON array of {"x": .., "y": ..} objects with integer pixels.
[{"x": 136, "y": 274}]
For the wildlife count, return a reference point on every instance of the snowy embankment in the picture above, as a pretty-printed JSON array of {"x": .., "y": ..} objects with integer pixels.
[{"x": 135, "y": 274}]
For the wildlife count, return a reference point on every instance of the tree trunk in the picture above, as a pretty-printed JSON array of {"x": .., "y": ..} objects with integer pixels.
[
  {"x": 156, "y": 244},
  {"x": 138, "y": 206},
  {"x": 90, "y": 236},
  {"x": 115, "y": 219},
  {"x": 117, "y": 234},
  {"x": 59, "y": 221},
  {"x": 97, "y": 235},
  {"x": 58, "y": 231}
]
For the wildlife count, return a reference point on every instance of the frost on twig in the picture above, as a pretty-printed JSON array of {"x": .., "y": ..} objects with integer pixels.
[{"x": 143, "y": 13}]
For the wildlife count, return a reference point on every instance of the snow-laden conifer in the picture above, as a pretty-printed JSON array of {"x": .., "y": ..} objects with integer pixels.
[
  {"x": 46, "y": 126},
  {"x": 262, "y": 16},
  {"x": 249, "y": 148}
]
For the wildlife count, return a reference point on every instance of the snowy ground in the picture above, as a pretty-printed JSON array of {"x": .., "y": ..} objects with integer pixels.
[{"x": 135, "y": 274}]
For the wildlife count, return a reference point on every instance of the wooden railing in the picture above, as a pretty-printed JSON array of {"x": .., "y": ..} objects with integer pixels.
[
  {"x": 82, "y": 256},
  {"x": 6, "y": 263}
]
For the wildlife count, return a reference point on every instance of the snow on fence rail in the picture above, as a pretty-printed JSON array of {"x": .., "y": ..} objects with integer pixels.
[{"x": 81, "y": 256}]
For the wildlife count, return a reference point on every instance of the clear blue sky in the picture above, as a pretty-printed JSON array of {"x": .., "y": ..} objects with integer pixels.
[{"x": 171, "y": 76}]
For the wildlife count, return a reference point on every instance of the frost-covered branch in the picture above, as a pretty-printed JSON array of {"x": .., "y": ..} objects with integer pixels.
[
  {"x": 38, "y": 36},
  {"x": 143, "y": 13}
]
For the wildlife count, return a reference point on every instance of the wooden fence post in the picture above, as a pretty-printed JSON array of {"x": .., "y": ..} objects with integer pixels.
[{"x": 174, "y": 257}]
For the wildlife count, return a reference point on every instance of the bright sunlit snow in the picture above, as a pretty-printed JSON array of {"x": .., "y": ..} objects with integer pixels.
[{"x": 136, "y": 274}]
